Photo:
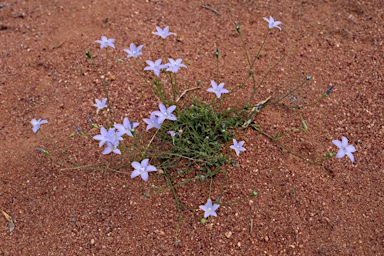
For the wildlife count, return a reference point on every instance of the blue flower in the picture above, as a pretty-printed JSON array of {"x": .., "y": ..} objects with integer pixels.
[
  {"x": 152, "y": 122},
  {"x": 100, "y": 104},
  {"x": 237, "y": 146},
  {"x": 165, "y": 113},
  {"x": 127, "y": 127},
  {"x": 134, "y": 51},
  {"x": 36, "y": 124},
  {"x": 142, "y": 169},
  {"x": 218, "y": 89},
  {"x": 105, "y": 42},
  {"x": 155, "y": 66},
  {"x": 272, "y": 23},
  {"x": 111, "y": 147},
  {"x": 174, "y": 65},
  {"x": 163, "y": 33},
  {"x": 209, "y": 209},
  {"x": 344, "y": 148}
]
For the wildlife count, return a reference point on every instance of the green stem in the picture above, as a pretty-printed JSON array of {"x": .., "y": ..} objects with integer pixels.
[
  {"x": 261, "y": 47},
  {"x": 258, "y": 128},
  {"x": 266, "y": 74},
  {"x": 290, "y": 92},
  {"x": 56, "y": 148}
]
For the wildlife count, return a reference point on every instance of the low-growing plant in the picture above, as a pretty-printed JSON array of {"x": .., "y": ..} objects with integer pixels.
[{"x": 190, "y": 142}]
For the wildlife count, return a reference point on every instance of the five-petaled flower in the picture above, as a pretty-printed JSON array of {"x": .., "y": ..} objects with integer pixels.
[
  {"x": 237, "y": 146},
  {"x": 109, "y": 136},
  {"x": 36, "y": 124},
  {"x": 134, "y": 51},
  {"x": 155, "y": 66},
  {"x": 105, "y": 42},
  {"x": 174, "y": 65},
  {"x": 142, "y": 169},
  {"x": 111, "y": 147},
  {"x": 173, "y": 133},
  {"x": 153, "y": 122},
  {"x": 100, "y": 104},
  {"x": 218, "y": 89},
  {"x": 344, "y": 148},
  {"x": 272, "y": 23},
  {"x": 209, "y": 209},
  {"x": 127, "y": 127},
  {"x": 165, "y": 113},
  {"x": 163, "y": 33}
]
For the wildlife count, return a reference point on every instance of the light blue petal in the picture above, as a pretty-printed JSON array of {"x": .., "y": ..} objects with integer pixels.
[
  {"x": 349, "y": 154},
  {"x": 340, "y": 154},
  {"x": 337, "y": 143},
  {"x": 144, "y": 176},
  {"x": 135, "y": 173}
]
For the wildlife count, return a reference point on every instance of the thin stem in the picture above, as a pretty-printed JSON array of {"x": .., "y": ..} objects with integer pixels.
[
  {"x": 266, "y": 74},
  {"x": 261, "y": 47},
  {"x": 56, "y": 148},
  {"x": 290, "y": 92},
  {"x": 300, "y": 106},
  {"x": 103, "y": 82},
  {"x": 258, "y": 128}
]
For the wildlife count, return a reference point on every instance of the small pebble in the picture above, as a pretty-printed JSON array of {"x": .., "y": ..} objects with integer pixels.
[{"x": 228, "y": 234}]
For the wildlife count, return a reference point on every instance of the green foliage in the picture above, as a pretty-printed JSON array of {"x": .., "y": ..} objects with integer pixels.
[{"x": 202, "y": 133}]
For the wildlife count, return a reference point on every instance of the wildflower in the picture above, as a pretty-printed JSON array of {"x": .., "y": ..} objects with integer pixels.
[
  {"x": 165, "y": 113},
  {"x": 127, "y": 127},
  {"x": 102, "y": 137},
  {"x": 134, "y": 51},
  {"x": 100, "y": 104},
  {"x": 36, "y": 124},
  {"x": 174, "y": 65},
  {"x": 173, "y": 133},
  {"x": 237, "y": 146},
  {"x": 142, "y": 169},
  {"x": 155, "y": 66},
  {"x": 115, "y": 136},
  {"x": 209, "y": 209},
  {"x": 111, "y": 147},
  {"x": 344, "y": 148},
  {"x": 218, "y": 89},
  {"x": 105, "y": 42},
  {"x": 272, "y": 23},
  {"x": 152, "y": 122},
  {"x": 108, "y": 136},
  {"x": 163, "y": 33}
]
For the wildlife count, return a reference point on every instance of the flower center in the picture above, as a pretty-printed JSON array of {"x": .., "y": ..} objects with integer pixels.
[
  {"x": 142, "y": 170},
  {"x": 209, "y": 209}
]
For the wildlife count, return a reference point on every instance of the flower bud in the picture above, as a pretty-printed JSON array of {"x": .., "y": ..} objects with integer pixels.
[{"x": 237, "y": 27}]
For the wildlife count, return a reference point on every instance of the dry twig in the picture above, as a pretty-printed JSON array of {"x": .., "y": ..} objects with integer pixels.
[{"x": 211, "y": 9}]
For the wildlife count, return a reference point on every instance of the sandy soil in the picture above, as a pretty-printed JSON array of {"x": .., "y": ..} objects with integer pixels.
[{"x": 301, "y": 209}]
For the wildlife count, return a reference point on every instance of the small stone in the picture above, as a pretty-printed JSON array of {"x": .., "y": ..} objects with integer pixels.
[
  {"x": 266, "y": 238},
  {"x": 92, "y": 241},
  {"x": 228, "y": 234},
  {"x": 239, "y": 244}
]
